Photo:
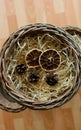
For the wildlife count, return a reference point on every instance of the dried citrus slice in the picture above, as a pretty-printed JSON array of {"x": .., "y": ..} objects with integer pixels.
[
  {"x": 32, "y": 58},
  {"x": 49, "y": 60}
]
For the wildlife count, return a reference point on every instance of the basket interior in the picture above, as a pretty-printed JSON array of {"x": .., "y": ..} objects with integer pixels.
[{"x": 41, "y": 91}]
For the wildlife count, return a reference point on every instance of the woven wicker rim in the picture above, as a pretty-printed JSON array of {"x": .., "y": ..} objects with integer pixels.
[
  {"x": 71, "y": 30},
  {"x": 13, "y": 105},
  {"x": 7, "y": 98}
]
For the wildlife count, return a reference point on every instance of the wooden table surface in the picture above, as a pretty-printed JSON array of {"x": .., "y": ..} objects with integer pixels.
[{"x": 16, "y": 13}]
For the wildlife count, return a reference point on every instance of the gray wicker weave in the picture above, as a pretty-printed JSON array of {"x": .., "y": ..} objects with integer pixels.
[
  {"x": 8, "y": 104},
  {"x": 75, "y": 33},
  {"x": 15, "y": 42}
]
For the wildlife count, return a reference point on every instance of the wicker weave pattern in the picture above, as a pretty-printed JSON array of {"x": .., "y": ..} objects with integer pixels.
[
  {"x": 73, "y": 31},
  {"x": 8, "y": 103},
  {"x": 34, "y": 29}
]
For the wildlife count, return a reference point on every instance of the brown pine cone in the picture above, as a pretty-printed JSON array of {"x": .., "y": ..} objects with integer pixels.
[
  {"x": 51, "y": 78},
  {"x": 20, "y": 68}
]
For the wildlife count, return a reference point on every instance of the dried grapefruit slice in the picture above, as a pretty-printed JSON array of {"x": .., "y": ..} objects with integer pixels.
[
  {"x": 32, "y": 58},
  {"x": 49, "y": 60}
]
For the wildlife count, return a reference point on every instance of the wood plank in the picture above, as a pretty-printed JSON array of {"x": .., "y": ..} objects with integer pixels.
[{"x": 17, "y": 13}]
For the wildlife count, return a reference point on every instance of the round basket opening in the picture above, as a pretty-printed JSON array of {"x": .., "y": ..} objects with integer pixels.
[{"x": 29, "y": 78}]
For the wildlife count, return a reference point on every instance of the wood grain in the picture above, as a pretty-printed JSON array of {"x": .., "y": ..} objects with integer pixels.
[{"x": 17, "y": 13}]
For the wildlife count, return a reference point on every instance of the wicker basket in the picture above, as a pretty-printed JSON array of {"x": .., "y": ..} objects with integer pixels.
[
  {"x": 75, "y": 33},
  {"x": 8, "y": 104},
  {"x": 40, "y": 66}
]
